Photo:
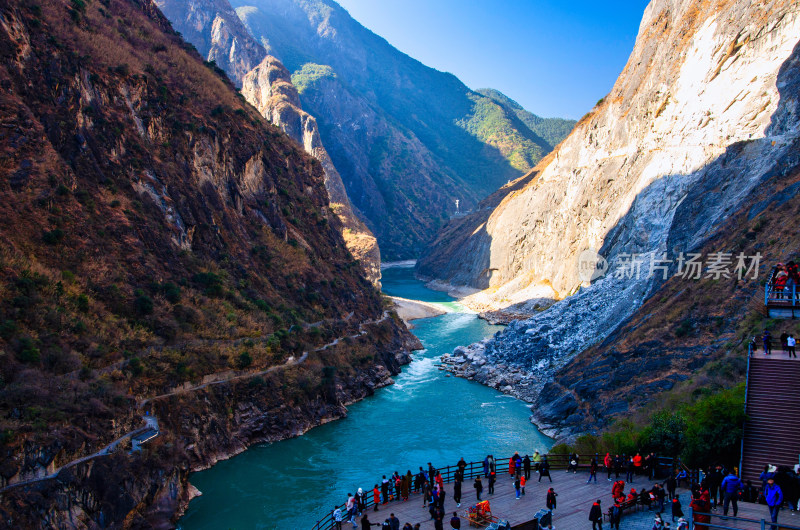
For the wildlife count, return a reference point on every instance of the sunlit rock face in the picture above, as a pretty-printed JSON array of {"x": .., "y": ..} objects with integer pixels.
[{"x": 704, "y": 111}]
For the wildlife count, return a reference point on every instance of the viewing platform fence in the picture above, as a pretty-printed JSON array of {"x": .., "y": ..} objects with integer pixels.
[
  {"x": 474, "y": 469},
  {"x": 724, "y": 522},
  {"x": 783, "y": 302}
]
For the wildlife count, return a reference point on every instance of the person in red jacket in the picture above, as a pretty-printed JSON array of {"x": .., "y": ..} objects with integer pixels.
[
  {"x": 376, "y": 496},
  {"x": 511, "y": 466},
  {"x": 632, "y": 496},
  {"x": 637, "y": 463},
  {"x": 618, "y": 490},
  {"x": 608, "y": 462},
  {"x": 701, "y": 507}
]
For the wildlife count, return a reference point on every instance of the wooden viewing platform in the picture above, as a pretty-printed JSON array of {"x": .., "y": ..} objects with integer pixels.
[{"x": 575, "y": 498}]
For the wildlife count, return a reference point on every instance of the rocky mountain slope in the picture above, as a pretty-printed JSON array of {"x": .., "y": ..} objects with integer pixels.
[
  {"x": 702, "y": 119},
  {"x": 164, "y": 249},
  {"x": 408, "y": 140},
  {"x": 213, "y": 27}
]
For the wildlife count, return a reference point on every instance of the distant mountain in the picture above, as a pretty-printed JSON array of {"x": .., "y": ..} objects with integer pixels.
[
  {"x": 408, "y": 140},
  {"x": 552, "y": 130}
]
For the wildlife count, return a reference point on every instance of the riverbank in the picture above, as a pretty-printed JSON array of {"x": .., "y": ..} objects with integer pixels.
[{"x": 409, "y": 310}]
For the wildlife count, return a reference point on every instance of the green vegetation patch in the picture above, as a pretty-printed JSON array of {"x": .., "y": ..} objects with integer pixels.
[{"x": 309, "y": 74}]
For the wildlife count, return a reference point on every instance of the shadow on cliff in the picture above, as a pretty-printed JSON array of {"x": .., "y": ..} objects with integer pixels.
[{"x": 618, "y": 374}]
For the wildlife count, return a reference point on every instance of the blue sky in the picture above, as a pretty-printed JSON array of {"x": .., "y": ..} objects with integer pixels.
[{"x": 556, "y": 58}]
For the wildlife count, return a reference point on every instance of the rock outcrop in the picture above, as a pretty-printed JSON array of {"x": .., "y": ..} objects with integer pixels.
[
  {"x": 213, "y": 27},
  {"x": 407, "y": 140},
  {"x": 268, "y": 87},
  {"x": 703, "y": 116}
]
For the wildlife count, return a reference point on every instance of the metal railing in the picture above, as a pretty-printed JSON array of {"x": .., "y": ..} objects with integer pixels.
[
  {"x": 475, "y": 469},
  {"x": 787, "y": 296},
  {"x": 763, "y": 524}
]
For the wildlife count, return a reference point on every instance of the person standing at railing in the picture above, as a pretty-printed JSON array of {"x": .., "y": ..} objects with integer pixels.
[
  {"x": 376, "y": 497},
  {"x": 511, "y": 463},
  {"x": 617, "y": 466},
  {"x": 337, "y": 518},
  {"x": 790, "y": 345},
  {"x": 774, "y": 497},
  {"x": 572, "y": 463},
  {"x": 462, "y": 465},
  {"x": 780, "y": 281},
  {"x": 459, "y": 478},
  {"x": 385, "y": 489},
  {"x": 526, "y": 466},
  {"x": 537, "y": 459}
]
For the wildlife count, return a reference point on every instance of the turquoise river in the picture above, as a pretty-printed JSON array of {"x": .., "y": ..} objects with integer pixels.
[{"x": 424, "y": 417}]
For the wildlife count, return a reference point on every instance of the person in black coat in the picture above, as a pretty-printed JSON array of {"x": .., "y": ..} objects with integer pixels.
[
  {"x": 596, "y": 516},
  {"x": 671, "y": 484},
  {"x": 526, "y": 466},
  {"x": 544, "y": 470},
  {"x": 478, "y": 487},
  {"x": 457, "y": 489}
]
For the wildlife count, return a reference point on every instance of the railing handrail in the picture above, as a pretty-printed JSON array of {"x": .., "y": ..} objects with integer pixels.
[
  {"x": 763, "y": 522},
  {"x": 474, "y": 469}
]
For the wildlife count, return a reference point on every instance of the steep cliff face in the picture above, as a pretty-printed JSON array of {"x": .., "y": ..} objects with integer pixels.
[
  {"x": 267, "y": 85},
  {"x": 408, "y": 140},
  {"x": 157, "y": 237},
  {"x": 704, "y": 113},
  {"x": 269, "y": 88},
  {"x": 213, "y": 27}
]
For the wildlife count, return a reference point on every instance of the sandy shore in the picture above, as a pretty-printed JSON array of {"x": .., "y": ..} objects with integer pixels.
[{"x": 410, "y": 310}]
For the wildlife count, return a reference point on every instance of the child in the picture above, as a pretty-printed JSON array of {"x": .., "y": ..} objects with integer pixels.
[
  {"x": 522, "y": 482},
  {"x": 682, "y": 524},
  {"x": 517, "y": 483}
]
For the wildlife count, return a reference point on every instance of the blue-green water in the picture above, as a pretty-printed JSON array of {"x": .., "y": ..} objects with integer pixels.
[{"x": 424, "y": 417}]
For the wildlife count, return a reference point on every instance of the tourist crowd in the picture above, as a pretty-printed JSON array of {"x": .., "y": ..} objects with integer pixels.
[{"x": 718, "y": 486}]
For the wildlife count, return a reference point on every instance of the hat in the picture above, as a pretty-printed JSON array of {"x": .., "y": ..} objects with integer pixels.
[{"x": 772, "y": 469}]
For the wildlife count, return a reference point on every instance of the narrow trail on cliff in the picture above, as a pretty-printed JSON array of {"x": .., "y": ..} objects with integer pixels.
[
  {"x": 289, "y": 362},
  {"x": 151, "y": 423}
]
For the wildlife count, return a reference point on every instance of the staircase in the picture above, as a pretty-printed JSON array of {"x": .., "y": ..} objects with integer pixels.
[{"x": 772, "y": 429}]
